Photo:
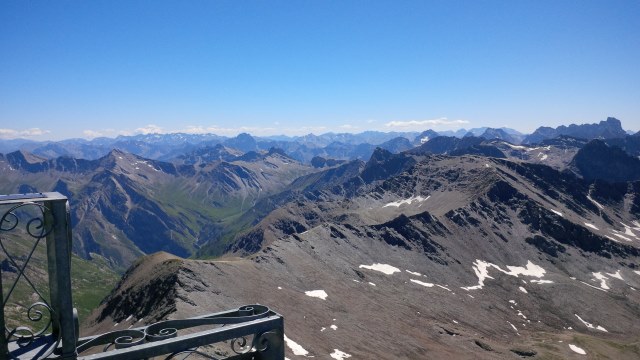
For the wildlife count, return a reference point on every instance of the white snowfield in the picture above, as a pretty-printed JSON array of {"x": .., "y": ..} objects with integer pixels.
[
  {"x": 383, "y": 268},
  {"x": 577, "y": 349},
  {"x": 407, "y": 201},
  {"x": 481, "y": 268},
  {"x": 320, "y": 294}
]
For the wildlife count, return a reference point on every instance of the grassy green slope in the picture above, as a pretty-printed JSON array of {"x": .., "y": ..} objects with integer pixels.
[{"x": 91, "y": 280}]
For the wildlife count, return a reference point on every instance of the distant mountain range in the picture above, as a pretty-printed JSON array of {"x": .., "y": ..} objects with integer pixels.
[
  {"x": 471, "y": 246},
  {"x": 345, "y": 146},
  {"x": 125, "y": 206},
  {"x": 213, "y": 187}
]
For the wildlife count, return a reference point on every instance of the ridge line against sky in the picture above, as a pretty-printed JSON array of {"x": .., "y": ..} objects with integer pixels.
[{"x": 83, "y": 69}]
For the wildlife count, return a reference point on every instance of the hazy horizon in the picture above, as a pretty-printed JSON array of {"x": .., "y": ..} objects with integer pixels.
[{"x": 153, "y": 130}]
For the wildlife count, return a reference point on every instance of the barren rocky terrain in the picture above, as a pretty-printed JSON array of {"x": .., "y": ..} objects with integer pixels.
[{"x": 423, "y": 256}]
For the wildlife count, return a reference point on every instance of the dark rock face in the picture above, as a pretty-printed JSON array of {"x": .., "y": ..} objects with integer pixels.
[
  {"x": 568, "y": 233},
  {"x": 144, "y": 295},
  {"x": 446, "y": 145},
  {"x": 597, "y": 161},
  {"x": 320, "y": 162},
  {"x": 482, "y": 150},
  {"x": 607, "y": 129},
  {"x": 546, "y": 246},
  {"x": 630, "y": 144},
  {"x": 384, "y": 164},
  {"x": 564, "y": 142}
]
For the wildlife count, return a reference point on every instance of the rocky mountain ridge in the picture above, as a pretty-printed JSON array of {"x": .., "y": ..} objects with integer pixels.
[
  {"x": 607, "y": 129},
  {"x": 462, "y": 256},
  {"x": 124, "y": 206}
]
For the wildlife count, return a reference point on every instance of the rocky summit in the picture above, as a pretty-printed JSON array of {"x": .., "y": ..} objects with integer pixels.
[{"x": 418, "y": 255}]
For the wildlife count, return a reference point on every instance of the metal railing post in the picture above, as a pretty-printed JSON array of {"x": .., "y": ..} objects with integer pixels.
[
  {"x": 59, "y": 262},
  {"x": 4, "y": 347}
]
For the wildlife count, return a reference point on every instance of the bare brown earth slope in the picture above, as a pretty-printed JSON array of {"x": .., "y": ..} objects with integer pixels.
[{"x": 423, "y": 257}]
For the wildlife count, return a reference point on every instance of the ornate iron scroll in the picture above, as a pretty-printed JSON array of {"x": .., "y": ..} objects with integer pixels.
[
  {"x": 169, "y": 329},
  {"x": 40, "y": 313}
]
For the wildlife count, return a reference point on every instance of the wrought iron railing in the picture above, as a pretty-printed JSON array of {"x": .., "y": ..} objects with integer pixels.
[{"x": 48, "y": 327}]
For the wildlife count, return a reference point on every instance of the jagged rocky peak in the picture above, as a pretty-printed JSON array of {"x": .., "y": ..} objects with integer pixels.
[
  {"x": 26, "y": 161},
  {"x": 21, "y": 158},
  {"x": 610, "y": 128},
  {"x": 128, "y": 163},
  {"x": 243, "y": 142},
  {"x": 501, "y": 134},
  {"x": 425, "y": 136}
]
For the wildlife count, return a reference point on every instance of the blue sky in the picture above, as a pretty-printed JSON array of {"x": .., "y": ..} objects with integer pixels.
[{"x": 91, "y": 68}]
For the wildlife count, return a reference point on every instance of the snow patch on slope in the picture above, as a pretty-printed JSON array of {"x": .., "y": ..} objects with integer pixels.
[
  {"x": 295, "y": 347},
  {"x": 589, "y": 325},
  {"x": 407, "y": 201},
  {"x": 591, "y": 226},
  {"x": 339, "y": 355},
  {"x": 422, "y": 283},
  {"x": 383, "y": 268},
  {"x": 481, "y": 268},
  {"x": 577, "y": 349},
  {"x": 603, "y": 280},
  {"x": 556, "y": 212},
  {"x": 320, "y": 294}
]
